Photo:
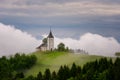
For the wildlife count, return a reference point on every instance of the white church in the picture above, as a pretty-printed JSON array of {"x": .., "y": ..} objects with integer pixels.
[{"x": 49, "y": 45}]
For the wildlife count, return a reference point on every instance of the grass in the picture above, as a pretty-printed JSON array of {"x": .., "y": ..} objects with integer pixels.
[{"x": 53, "y": 61}]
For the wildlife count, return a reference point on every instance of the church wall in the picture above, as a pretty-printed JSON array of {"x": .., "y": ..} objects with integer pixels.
[
  {"x": 50, "y": 44},
  {"x": 43, "y": 48}
]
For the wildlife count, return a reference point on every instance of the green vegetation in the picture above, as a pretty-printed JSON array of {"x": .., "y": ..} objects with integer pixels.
[
  {"x": 61, "y": 47},
  {"x": 13, "y": 68},
  {"x": 102, "y": 69},
  {"x": 56, "y": 65},
  {"x": 117, "y": 53},
  {"x": 53, "y": 61},
  {"x": 44, "y": 40}
]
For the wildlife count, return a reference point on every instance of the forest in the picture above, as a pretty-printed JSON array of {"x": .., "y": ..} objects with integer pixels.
[{"x": 12, "y": 68}]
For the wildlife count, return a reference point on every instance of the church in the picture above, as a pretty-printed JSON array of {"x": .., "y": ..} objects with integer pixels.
[{"x": 48, "y": 45}]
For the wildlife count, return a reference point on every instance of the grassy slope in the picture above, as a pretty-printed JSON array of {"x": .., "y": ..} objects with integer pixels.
[{"x": 53, "y": 60}]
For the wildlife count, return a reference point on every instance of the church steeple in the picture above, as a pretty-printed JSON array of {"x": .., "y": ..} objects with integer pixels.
[
  {"x": 50, "y": 41},
  {"x": 49, "y": 45},
  {"x": 50, "y": 34}
]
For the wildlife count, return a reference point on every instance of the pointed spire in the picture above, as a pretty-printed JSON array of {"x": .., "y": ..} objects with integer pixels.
[
  {"x": 50, "y": 34},
  {"x": 50, "y": 28}
]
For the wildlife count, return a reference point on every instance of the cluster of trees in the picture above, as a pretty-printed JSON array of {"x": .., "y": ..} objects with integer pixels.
[
  {"x": 102, "y": 69},
  {"x": 12, "y": 68},
  {"x": 61, "y": 47}
]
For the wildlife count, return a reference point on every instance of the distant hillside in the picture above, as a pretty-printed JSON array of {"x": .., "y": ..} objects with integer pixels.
[{"x": 53, "y": 61}]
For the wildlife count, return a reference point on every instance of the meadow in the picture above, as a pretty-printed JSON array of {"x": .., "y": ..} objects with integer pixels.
[{"x": 53, "y": 60}]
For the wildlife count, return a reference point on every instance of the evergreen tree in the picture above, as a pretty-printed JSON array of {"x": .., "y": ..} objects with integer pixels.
[
  {"x": 103, "y": 64},
  {"x": 39, "y": 76},
  {"x": 60, "y": 74},
  {"x": 54, "y": 76},
  {"x": 116, "y": 69},
  {"x": 66, "y": 72},
  {"x": 79, "y": 72},
  {"x": 47, "y": 75},
  {"x": 73, "y": 70}
]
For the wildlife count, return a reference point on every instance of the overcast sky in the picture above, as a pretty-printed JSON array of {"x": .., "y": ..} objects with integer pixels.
[
  {"x": 75, "y": 17},
  {"x": 67, "y": 18}
]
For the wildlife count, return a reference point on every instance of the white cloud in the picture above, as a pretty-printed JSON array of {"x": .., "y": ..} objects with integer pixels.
[
  {"x": 13, "y": 40},
  {"x": 92, "y": 43}
]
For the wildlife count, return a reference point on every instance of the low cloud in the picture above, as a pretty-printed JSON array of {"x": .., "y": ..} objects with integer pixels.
[
  {"x": 13, "y": 40},
  {"x": 93, "y": 44}
]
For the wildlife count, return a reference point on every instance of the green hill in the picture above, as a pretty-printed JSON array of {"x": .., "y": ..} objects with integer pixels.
[{"x": 53, "y": 61}]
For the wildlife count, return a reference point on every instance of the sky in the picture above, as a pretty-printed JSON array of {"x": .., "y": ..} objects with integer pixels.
[{"x": 68, "y": 19}]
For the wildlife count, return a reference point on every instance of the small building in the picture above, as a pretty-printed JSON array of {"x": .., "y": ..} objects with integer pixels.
[
  {"x": 42, "y": 47},
  {"x": 48, "y": 45}
]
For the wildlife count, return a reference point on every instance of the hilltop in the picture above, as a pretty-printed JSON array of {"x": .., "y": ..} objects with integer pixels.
[{"x": 53, "y": 61}]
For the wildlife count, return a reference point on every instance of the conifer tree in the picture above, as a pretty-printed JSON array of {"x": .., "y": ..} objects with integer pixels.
[
  {"x": 54, "y": 76},
  {"x": 60, "y": 73},
  {"x": 73, "y": 71},
  {"x": 39, "y": 76},
  {"x": 47, "y": 75}
]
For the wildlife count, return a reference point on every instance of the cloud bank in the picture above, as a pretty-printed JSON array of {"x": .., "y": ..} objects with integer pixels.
[
  {"x": 13, "y": 40},
  {"x": 93, "y": 44}
]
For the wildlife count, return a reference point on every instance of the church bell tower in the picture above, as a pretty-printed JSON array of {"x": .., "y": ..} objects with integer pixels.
[{"x": 50, "y": 41}]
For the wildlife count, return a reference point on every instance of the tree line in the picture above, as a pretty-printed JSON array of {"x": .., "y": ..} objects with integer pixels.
[
  {"x": 12, "y": 68},
  {"x": 102, "y": 69}
]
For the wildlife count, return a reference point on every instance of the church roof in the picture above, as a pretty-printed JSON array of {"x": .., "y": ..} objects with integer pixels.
[
  {"x": 42, "y": 45},
  {"x": 50, "y": 35}
]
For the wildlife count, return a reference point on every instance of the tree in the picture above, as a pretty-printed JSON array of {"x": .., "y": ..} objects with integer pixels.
[
  {"x": 39, "y": 76},
  {"x": 67, "y": 49},
  {"x": 5, "y": 69},
  {"x": 103, "y": 75},
  {"x": 60, "y": 73},
  {"x": 19, "y": 75},
  {"x": 73, "y": 70},
  {"x": 30, "y": 78},
  {"x": 117, "y": 53},
  {"x": 61, "y": 47},
  {"x": 44, "y": 40},
  {"x": 47, "y": 75},
  {"x": 116, "y": 69},
  {"x": 54, "y": 76}
]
